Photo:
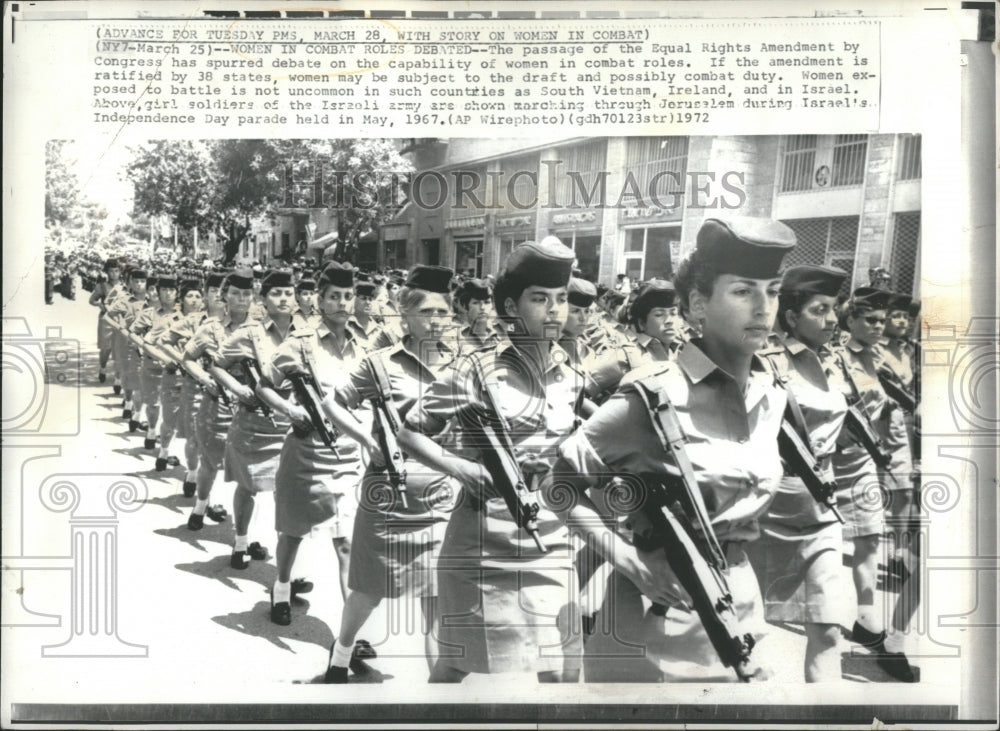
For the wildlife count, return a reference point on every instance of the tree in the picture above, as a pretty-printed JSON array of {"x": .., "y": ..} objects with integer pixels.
[
  {"x": 173, "y": 178},
  {"x": 62, "y": 189}
]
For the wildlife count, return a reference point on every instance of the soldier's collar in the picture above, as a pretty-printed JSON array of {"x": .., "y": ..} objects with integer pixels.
[
  {"x": 854, "y": 346},
  {"x": 795, "y": 346},
  {"x": 697, "y": 366}
]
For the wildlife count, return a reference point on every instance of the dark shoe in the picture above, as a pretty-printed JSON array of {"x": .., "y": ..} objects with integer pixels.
[
  {"x": 161, "y": 462},
  {"x": 173, "y": 461},
  {"x": 102, "y": 377},
  {"x": 196, "y": 522},
  {"x": 258, "y": 552},
  {"x": 151, "y": 444},
  {"x": 362, "y": 651},
  {"x": 239, "y": 560},
  {"x": 216, "y": 513},
  {"x": 117, "y": 389},
  {"x": 133, "y": 425},
  {"x": 127, "y": 414},
  {"x": 189, "y": 489},
  {"x": 335, "y": 675},
  {"x": 866, "y": 637},
  {"x": 301, "y": 586},
  {"x": 896, "y": 665},
  {"x": 281, "y": 613}
]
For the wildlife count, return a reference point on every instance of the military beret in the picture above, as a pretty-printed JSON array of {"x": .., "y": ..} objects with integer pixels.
[
  {"x": 152, "y": 280},
  {"x": 215, "y": 279},
  {"x": 240, "y": 279},
  {"x": 276, "y": 278},
  {"x": 363, "y": 276},
  {"x": 337, "y": 274},
  {"x": 397, "y": 279},
  {"x": 430, "y": 278},
  {"x": 899, "y": 301},
  {"x": 547, "y": 263},
  {"x": 188, "y": 285},
  {"x": 871, "y": 298},
  {"x": 655, "y": 293},
  {"x": 306, "y": 284},
  {"x": 914, "y": 309},
  {"x": 615, "y": 299},
  {"x": 745, "y": 246},
  {"x": 808, "y": 279},
  {"x": 364, "y": 289},
  {"x": 138, "y": 273},
  {"x": 580, "y": 292},
  {"x": 166, "y": 281},
  {"x": 258, "y": 273},
  {"x": 475, "y": 289},
  {"x": 378, "y": 279},
  {"x": 110, "y": 264}
]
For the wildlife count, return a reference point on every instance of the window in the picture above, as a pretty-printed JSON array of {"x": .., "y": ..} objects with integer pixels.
[
  {"x": 849, "y": 152},
  {"x": 507, "y": 244},
  {"x": 395, "y": 254},
  {"x": 905, "y": 250},
  {"x": 825, "y": 242},
  {"x": 798, "y": 163},
  {"x": 577, "y": 177},
  {"x": 430, "y": 251},
  {"x": 908, "y": 163},
  {"x": 648, "y": 252},
  {"x": 816, "y": 162},
  {"x": 651, "y": 158},
  {"x": 524, "y": 188},
  {"x": 469, "y": 257}
]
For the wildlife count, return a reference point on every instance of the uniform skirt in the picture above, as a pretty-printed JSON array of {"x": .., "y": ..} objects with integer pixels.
[
  {"x": 394, "y": 549},
  {"x": 313, "y": 489},
  {"x": 131, "y": 367},
  {"x": 105, "y": 334},
  {"x": 170, "y": 402},
  {"x": 253, "y": 445},
  {"x": 212, "y": 425},
  {"x": 861, "y": 495},
  {"x": 798, "y": 557},
  {"x": 633, "y": 644},
  {"x": 503, "y": 605},
  {"x": 150, "y": 374},
  {"x": 191, "y": 397}
]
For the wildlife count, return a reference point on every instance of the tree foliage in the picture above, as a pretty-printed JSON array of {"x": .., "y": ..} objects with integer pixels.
[{"x": 62, "y": 189}]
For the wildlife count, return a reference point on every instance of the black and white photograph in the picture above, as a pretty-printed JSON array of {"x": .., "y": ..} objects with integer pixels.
[{"x": 535, "y": 427}]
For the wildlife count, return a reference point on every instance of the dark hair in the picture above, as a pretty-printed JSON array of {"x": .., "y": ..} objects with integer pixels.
[
  {"x": 464, "y": 295},
  {"x": 793, "y": 301},
  {"x": 696, "y": 272},
  {"x": 324, "y": 285},
  {"x": 506, "y": 288}
]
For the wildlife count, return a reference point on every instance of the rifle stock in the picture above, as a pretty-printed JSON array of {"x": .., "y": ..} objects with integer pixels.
[
  {"x": 800, "y": 460},
  {"x": 897, "y": 391},
  {"x": 387, "y": 425},
  {"x": 251, "y": 370},
  {"x": 308, "y": 397}
]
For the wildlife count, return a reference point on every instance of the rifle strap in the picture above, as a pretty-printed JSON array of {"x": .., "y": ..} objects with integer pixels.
[
  {"x": 667, "y": 427},
  {"x": 381, "y": 377},
  {"x": 793, "y": 411}
]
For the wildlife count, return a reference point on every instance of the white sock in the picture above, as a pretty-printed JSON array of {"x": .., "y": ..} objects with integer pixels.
[
  {"x": 282, "y": 591},
  {"x": 341, "y": 655},
  {"x": 191, "y": 476},
  {"x": 163, "y": 453},
  {"x": 151, "y": 434},
  {"x": 869, "y": 619},
  {"x": 894, "y": 642},
  {"x": 241, "y": 543},
  {"x": 200, "y": 506}
]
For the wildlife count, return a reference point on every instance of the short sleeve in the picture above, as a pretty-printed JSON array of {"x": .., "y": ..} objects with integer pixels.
[
  {"x": 357, "y": 387},
  {"x": 233, "y": 349},
  {"x": 621, "y": 436},
  {"x": 441, "y": 402},
  {"x": 287, "y": 358}
]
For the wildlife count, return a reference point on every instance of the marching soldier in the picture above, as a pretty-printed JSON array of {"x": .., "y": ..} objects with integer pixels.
[
  {"x": 654, "y": 317},
  {"x": 362, "y": 322},
  {"x": 306, "y": 314},
  {"x": 798, "y": 558},
  {"x": 580, "y": 295},
  {"x": 257, "y": 432},
  {"x": 105, "y": 293},
  {"x": 149, "y": 325},
  {"x": 314, "y": 484},
  {"x": 124, "y": 310},
  {"x": 398, "y": 529},
  {"x": 512, "y": 606},
  {"x": 721, "y": 402},
  {"x": 476, "y": 301}
]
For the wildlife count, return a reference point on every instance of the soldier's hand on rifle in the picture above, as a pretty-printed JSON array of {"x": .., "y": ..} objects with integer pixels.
[
  {"x": 246, "y": 396},
  {"x": 300, "y": 418},
  {"x": 475, "y": 478},
  {"x": 534, "y": 468},
  {"x": 651, "y": 573}
]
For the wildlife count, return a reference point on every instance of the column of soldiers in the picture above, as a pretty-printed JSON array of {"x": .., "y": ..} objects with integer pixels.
[{"x": 559, "y": 471}]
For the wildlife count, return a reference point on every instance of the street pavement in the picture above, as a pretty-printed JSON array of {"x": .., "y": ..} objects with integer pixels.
[{"x": 205, "y": 626}]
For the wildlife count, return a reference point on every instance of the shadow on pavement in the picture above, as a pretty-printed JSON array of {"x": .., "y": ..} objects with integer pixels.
[
  {"x": 175, "y": 503},
  {"x": 257, "y": 622},
  {"x": 212, "y": 533},
  {"x": 861, "y": 666}
]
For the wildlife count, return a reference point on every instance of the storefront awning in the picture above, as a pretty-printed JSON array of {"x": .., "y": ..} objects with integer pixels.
[{"x": 323, "y": 241}]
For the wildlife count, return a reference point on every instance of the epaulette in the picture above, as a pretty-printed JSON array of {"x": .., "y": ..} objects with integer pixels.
[
  {"x": 303, "y": 332},
  {"x": 646, "y": 371}
]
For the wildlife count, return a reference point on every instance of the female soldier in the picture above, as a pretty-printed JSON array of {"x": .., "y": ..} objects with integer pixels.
[
  {"x": 730, "y": 409},
  {"x": 171, "y": 386},
  {"x": 150, "y": 324},
  {"x": 215, "y": 415},
  {"x": 580, "y": 296},
  {"x": 654, "y": 318},
  {"x": 191, "y": 392},
  {"x": 394, "y": 547},
  {"x": 861, "y": 485},
  {"x": 124, "y": 310},
  {"x": 255, "y": 437},
  {"x": 798, "y": 558},
  {"x": 104, "y": 293},
  {"x": 511, "y": 607},
  {"x": 475, "y": 298},
  {"x": 314, "y": 485}
]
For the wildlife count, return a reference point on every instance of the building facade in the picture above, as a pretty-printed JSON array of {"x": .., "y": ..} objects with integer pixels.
[{"x": 633, "y": 205}]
